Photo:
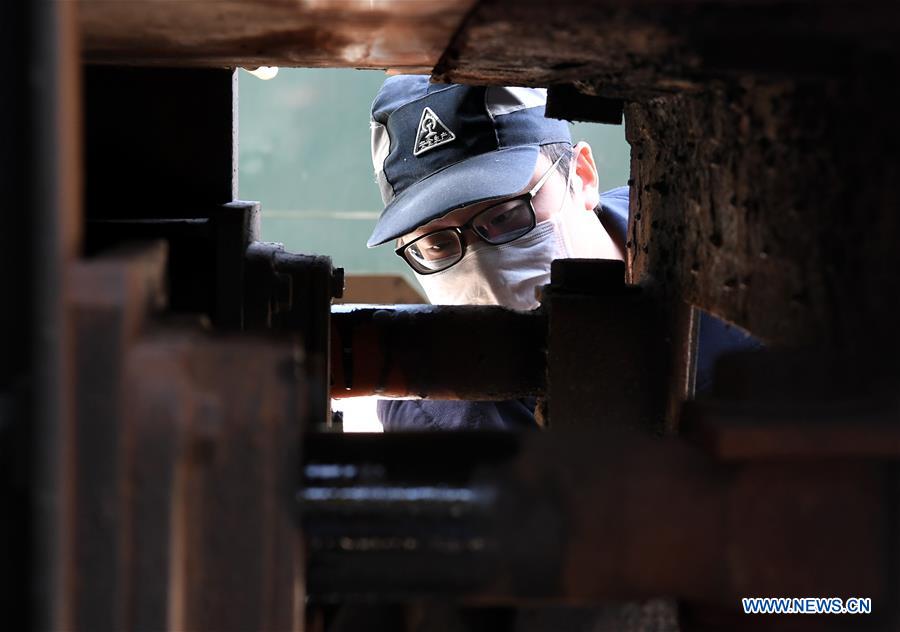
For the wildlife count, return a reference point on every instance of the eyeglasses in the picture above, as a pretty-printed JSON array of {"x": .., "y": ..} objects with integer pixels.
[{"x": 498, "y": 224}]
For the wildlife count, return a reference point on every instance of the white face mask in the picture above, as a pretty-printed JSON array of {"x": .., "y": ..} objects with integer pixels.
[{"x": 509, "y": 274}]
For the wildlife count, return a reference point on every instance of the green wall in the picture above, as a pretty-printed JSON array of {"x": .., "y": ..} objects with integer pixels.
[{"x": 304, "y": 153}]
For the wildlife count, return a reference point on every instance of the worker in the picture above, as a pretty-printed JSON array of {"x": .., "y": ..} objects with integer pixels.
[{"x": 482, "y": 192}]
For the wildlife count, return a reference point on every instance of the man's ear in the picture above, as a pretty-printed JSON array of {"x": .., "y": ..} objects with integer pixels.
[{"x": 587, "y": 180}]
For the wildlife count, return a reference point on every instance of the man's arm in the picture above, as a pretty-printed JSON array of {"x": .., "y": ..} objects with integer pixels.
[{"x": 424, "y": 414}]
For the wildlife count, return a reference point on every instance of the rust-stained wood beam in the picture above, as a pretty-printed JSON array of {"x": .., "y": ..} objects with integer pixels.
[
  {"x": 763, "y": 146},
  {"x": 773, "y": 205},
  {"x": 182, "y": 466},
  {"x": 583, "y": 517},
  {"x": 407, "y": 35},
  {"x": 635, "y": 49}
]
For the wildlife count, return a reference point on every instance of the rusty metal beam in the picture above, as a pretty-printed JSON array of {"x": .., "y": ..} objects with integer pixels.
[
  {"x": 399, "y": 34},
  {"x": 761, "y": 204},
  {"x": 186, "y": 446},
  {"x": 610, "y": 357},
  {"x": 582, "y": 517},
  {"x": 639, "y": 49},
  {"x": 110, "y": 300},
  {"x": 211, "y": 457},
  {"x": 748, "y": 431},
  {"x": 792, "y": 404},
  {"x": 440, "y": 352},
  {"x": 594, "y": 340},
  {"x": 292, "y": 293}
]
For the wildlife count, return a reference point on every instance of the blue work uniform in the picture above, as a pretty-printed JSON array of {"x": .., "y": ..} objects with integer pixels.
[{"x": 715, "y": 338}]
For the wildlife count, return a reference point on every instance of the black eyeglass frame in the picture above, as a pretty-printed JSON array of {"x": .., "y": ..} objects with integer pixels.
[{"x": 528, "y": 196}]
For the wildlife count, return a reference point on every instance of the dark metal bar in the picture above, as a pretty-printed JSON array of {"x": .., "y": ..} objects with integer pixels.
[
  {"x": 235, "y": 226},
  {"x": 292, "y": 293},
  {"x": 213, "y": 456},
  {"x": 738, "y": 433},
  {"x": 439, "y": 352},
  {"x": 17, "y": 321},
  {"x": 585, "y": 517},
  {"x": 200, "y": 248},
  {"x": 609, "y": 359},
  {"x": 794, "y": 404},
  {"x": 565, "y": 101},
  {"x": 53, "y": 98},
  {"x": 110, "y": 299}
]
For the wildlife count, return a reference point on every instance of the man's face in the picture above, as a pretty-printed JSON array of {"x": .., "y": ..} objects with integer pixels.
[{"x": 551, "y": 198}]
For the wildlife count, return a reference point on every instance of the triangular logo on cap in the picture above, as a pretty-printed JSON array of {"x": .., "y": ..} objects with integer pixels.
[{"x": 432, "y": 132}]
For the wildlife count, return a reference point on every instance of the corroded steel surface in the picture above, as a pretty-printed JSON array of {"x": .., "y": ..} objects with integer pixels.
[
  {"x": 400, "y": 34},
  {"x": 637, "y": 49},
  {"x": 587, "y": 516},
  {"x": 186, "y": 446},
  {"x": 763, "y": 204}
]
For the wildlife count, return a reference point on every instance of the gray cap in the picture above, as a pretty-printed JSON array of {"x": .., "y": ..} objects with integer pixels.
[{"x": 439, "y": 147}]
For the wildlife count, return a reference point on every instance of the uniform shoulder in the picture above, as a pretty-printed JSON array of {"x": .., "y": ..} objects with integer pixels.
[
  {"x": 615, "y": 202},
  {"x": 619, "y": 193}
]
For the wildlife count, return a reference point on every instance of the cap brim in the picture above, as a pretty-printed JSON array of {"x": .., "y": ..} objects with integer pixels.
[{"x": 458, "y": 185}]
